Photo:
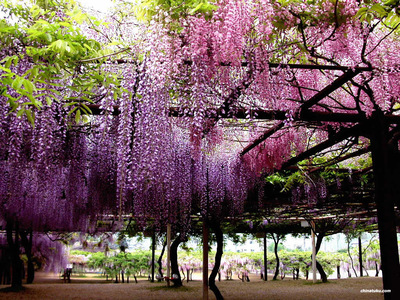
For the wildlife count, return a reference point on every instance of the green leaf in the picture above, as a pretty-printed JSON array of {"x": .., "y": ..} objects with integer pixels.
[
  {"x": 5, "y": 69},
  {"x": 78, "y": 116},
  {"x": 44, "y": 22},
  {"x": 361, "y": 12},
  {"x": 48, "y": 37},
  {"x": 72, "y": 111},
  {"x": 29, "y": 86},
  {"x": 30, "y": 116},
  {"x": 70, "y": 103},
  {"x": 17, "y": 83},
  {"x": 391, "y": 2},
  {"x": 8, "y": 61},
  {"x": 86, "y": 109},
  {"x": 20, "y": 112},
  {"x": 380, "y": 10},
  {"x": 48, "y": 101},
  {"x": 65, "y": 24}
]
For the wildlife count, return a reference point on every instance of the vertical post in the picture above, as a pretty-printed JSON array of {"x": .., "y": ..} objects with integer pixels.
[
  {"x": 153, "y": 250},
  {"x": 265, "y": 257},
  {"x": 168, "y": 253},
  {"x": 314, "y": 260},
  {"x": 360, "y": 255},
  {"x": 205, "y": 260}
]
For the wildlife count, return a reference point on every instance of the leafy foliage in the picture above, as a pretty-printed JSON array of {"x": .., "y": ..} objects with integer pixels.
[
  {"x": 148, "y": 9},
  {"x": 47, "y": 58},
  {"x": 130, "y": 263}
]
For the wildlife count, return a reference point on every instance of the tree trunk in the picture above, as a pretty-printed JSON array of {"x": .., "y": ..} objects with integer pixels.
[
  {"x": 27, "y": 243},
  {"x": 16, "y": 263},
  {"x": 5, "y": 267},
  {"x": 174, "y": 261},
  {"x": 265, "y": 258},
  {"x": 320, "y": 269},
  {"x": 159, "y": 261},
  {"x": 153, "y": 249},
  {"x": 384, "y": 158},
  {"x": 276, "y": 242},
  {"x": 351, "y": 258},
  {"x": 360, "y": 255},
  {"x": 216, "y": 226},
  {"x": 322, "y": 273},
  {"x": 366, "y": 271}
]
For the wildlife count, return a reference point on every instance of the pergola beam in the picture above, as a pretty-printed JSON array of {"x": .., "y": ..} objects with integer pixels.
[
  {"x": 257, "y": 114},
  {"x": 294, "y": 66},
  {"x": 263, "y": 137},
  {"x": 337, "y": 83},
  {"x": 336, "y": 138}
]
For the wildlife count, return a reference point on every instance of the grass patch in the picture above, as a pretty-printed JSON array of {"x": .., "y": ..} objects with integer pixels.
[
  {"x": 172, "y": 289},
  {"x": 79, "y": 276}
]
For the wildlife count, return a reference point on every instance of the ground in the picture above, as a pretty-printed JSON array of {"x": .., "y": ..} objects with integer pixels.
[{"x": 48, "y": 286}]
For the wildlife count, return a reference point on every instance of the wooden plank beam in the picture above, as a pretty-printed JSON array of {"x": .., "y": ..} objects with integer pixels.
[
  {"x": 336, "y": 138},
  {"x": 260, "y": 114},
  {"x": 294, "y": 66},
  {"x": 263, "y": 137},
  {"x": 337, "y": 83}
]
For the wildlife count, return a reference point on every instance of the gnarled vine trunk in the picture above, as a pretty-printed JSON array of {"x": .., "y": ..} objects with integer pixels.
[
  {"x": 159, "y": 261},
  {"x": 174, "y": 260},
  {"x": 320, "y": 269},
  {"x": 276, "y": 243},
  {"x": 27, "y": 243},
  {"x": 216, "y": 226},
  {"x": 16, "y": 263}
]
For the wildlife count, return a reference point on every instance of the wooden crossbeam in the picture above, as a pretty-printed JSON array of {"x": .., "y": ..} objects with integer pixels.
[
  {"x": 260, "y": 114},
  {"x": 294, "y": 66},
  {"x": 240, "y": 113},
  {"x": 337, "y": 83},
  {"x": 312, "y": 169},
  {"x": 263, "y": 137},
  {"x": 334, "y": 139}
]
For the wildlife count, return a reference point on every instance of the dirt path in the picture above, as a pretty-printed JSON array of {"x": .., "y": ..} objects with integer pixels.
[{"x": 51, "y": 287}]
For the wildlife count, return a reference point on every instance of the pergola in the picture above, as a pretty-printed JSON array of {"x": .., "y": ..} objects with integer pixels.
[{"x": 381, "y": 129}]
